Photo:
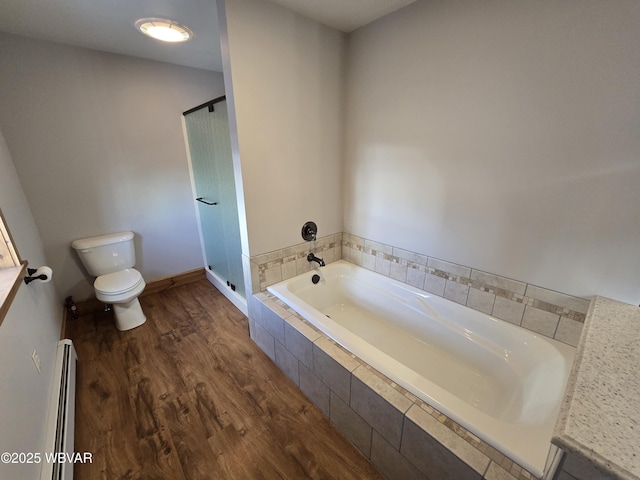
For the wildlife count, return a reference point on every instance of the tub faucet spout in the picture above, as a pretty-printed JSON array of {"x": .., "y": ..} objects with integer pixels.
[{"x": 312, "y": 258}]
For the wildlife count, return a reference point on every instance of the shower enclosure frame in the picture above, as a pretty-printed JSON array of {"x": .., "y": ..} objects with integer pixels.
[{"x": 221, "y": 284}]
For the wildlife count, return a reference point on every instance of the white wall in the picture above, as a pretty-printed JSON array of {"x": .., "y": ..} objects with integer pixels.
[
  {"x": 503, "y": 136},
  {"x": 32, "y": 323},
  {"x": 287, "y": 76},
  {"x": 98, "y": 144}
]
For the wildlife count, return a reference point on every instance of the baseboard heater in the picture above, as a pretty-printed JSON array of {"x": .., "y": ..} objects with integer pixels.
[{"x": 60, "y": 420}]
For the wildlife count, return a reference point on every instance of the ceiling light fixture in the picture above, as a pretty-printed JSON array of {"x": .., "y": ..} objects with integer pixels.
[{"x": 164, "y": 29}]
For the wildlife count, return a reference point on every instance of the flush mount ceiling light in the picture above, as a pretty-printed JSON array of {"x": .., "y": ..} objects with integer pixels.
[{"x": 164, "y": 29}]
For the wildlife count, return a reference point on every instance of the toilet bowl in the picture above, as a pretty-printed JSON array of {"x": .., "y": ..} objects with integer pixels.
[
  {"x": 121, "y": 290},
  {"x": 110, "y": 259}
]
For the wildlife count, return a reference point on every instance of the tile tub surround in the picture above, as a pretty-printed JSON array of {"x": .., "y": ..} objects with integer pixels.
[
  {"x": 400, "y": 434},
  {"x": 598, "y": 422},
  {"x": 552, "y": 314},
  {"x": 273, "y": 267}
]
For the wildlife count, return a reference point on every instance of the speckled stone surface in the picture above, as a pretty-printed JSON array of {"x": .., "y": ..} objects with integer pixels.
[{"x": 600, "y": 416}]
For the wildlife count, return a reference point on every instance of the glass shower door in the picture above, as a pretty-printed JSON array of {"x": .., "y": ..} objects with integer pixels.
[{"x": 212, "y": 164}]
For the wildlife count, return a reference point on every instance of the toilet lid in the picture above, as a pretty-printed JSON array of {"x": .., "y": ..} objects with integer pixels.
[{"x": 118, "y": 282}]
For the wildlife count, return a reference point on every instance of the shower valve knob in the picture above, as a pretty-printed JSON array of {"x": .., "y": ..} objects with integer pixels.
[{"x": 309, "y": 231}]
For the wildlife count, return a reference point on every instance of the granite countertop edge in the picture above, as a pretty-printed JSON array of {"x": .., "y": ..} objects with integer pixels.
[
  {"x": 566, "y": 441},
  {"x": 594, "y": 459}
]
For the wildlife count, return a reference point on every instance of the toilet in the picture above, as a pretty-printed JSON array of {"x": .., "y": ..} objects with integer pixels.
[{"x": 110, "y": 258}]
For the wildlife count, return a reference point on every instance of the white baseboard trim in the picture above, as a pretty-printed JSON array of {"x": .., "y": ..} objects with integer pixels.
[{"x": 237, "y": 300}]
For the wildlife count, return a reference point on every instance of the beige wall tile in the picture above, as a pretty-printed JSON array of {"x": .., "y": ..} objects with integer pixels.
[
  {"x": 383, "y": 266},
  {"x": 452, "y": 268},
  {"x": 353, "y": 239},
  {"x": 540, "y": 321},
  {"x": 378, "y": 247},
  {"x": 272, "y": 275},
  {"x": 410, "y": 256},
  {"x": 255, "y": 277},
  {"x": 498, "y": 281},
  {"x": 329, "y": 255},
  {"x": 368, "y": 261},
  {"x": 435, "y": 284},
  {"x": 289, "y": 270},
  {"x": 302, "y": 265},
  {"x": 456, "y": 292},
  {"x": 398, "y": 271},
  {"x": 508, "y": 310},
  {"x": 555, "y": 298},
  {"x": 267, "y": 257},
  {"x": 481, "y": 301},
  {"x": 415, "y": 277},
  {"x": 569, "y": 331},
  {"x": 294, "y": 250},
  {"x": 352, "y": 255}
]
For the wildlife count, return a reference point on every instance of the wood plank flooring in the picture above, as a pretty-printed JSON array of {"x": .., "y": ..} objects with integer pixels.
[{"x": 188, "y": 395}]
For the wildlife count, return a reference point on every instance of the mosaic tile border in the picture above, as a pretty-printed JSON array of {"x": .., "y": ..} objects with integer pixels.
[
  {"x": 279, "y": 265},
  {"x": 549, "y": 313},
  {"x": 268, "y": 331},
  {"x": 543, "y": 311}
]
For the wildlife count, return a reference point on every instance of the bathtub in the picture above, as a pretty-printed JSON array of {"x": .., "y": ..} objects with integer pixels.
[{"x": 501, "y": 382}]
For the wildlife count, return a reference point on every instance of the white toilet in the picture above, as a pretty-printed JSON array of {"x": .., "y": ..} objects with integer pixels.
[{"x": 110, "y": 258}]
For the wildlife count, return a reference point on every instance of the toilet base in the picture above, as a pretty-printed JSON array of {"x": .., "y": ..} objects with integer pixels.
[{"x": 128, "y": 315}]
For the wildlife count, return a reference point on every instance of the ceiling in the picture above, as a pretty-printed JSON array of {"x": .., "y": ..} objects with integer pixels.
[{"x": 108, "y": 25}]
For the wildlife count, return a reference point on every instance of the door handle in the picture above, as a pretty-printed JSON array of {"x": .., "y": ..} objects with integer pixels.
[{"x": 201, "y": 200}]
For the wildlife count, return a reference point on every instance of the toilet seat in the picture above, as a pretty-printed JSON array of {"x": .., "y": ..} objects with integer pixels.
[{"x": 119, "y": 286}]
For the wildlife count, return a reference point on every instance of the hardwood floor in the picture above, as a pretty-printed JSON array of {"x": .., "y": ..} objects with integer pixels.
[{"x": 188, "y": 395}]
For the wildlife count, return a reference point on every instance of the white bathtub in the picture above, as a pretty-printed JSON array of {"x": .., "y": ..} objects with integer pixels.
[{"x": 501, "y": 382}]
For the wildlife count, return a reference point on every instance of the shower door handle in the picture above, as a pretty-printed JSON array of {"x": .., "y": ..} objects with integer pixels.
[{"x": 201, "y": 200}]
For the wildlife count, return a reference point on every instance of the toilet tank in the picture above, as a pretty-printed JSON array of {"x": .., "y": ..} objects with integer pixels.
[{"x": 106, "y": 253}]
